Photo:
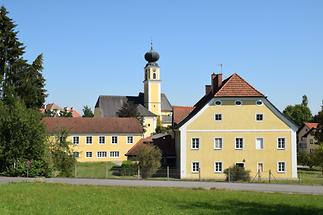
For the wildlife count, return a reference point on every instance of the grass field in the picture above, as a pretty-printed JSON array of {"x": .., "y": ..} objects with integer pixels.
[{"x": 41, "y": 198}]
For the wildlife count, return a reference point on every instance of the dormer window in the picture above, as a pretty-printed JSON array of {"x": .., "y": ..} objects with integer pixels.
[{"x": 238, "y": 103}]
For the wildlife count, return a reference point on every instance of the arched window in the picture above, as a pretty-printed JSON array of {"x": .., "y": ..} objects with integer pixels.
[{"x": 154, "y": 75}]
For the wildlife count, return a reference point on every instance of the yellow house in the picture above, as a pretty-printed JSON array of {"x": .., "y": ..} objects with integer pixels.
[
  {"x": 152, "y": 105},
  {"x": 97, "y": 139},
  {"x": 234, "y": 124}
]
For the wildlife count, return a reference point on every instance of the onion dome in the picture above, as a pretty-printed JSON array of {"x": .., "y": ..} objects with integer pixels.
[{"x": 151, "y": 56}]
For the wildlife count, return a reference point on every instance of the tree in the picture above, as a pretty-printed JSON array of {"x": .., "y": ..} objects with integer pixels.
[
  {"x": 22, "y": 141},
  {"x": 318, "y": 153},
  {"x": 299, "y": 113},
  {"x": 62, "y": 155},
  {"x": 305, "y": 158},
  {"x": 129, "y": 109},
  {"x": 319, "y": 129},
  {"x": 17, "y": 77},
  {"x": 87, "y": 112},
  {"x": 65, "y": 113},
  {"x": 149, "y": 157},
  {"x": 237, "y": 173}
]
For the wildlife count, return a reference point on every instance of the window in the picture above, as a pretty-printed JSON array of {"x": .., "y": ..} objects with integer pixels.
[
  {"x": 218, "y": 102},
  {"x": 114, "y": 140},
  {"x": 102, "y": 140},
  {"x": 311, "y": 141},
  {"x": 218, "y": 167},
  {"x": 218, "y": 117},
  {"x": 239, "y": 143},
  {"x": 62, "y": 139},
  {"x": 238, "y": 102},
  {"x": 130, "y": 139},
  {"x": 260, "y": 167},
  {"x": 259, "y": 117},
  {"x": 281, "y": 166},
  {"x": 114, "y": 154},
  {"x": 76, "y": 140},
  {"x": 154, "y": 75},
  {"x": 195, "y": 167},
  {"x": 281, "y": 143},
  {"x": 89, "y": 140},
  {"x": 101, "y": 154},
  {"x": 260, "y": 143},
  {"x": 88, "y": 154},
  {"x": 259, "y": 102},
  {"x": 218, "y": 143},
  {"x": 195, "y": 143},
  {"x": 240, "y": 164},
  {"x": 76, "y": 154}
]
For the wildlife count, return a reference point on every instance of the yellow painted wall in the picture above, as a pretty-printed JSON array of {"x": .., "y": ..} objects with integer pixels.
[
  {"x": 150, "y": 125},
  {"x": 121, "y": 146},
  {"x": 238, "y": 118}
]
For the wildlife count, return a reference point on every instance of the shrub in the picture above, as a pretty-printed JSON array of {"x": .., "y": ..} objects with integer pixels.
[
  {"x": 307, "y": 159},
  {"x": 237, "y": 173},
  {"x": 32, "y": 168},
  {"x": 128, "y": 168},
  {"x": 149, "y": 157}
]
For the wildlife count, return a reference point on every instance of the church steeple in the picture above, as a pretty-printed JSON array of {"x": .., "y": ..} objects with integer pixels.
[{"x": 152, "y": 82}]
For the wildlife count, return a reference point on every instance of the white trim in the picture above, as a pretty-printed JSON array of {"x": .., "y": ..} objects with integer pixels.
[
  {"x": 97, "y": 153},
  {"x": 78, "y": 140},
  {"x": 198, "y": 144},
  {"x": 235, "y": 143},
  {"x": 263, "y": 117},
  {"x": 195, "y": 172},
  {"x": 242, "y": 130},
  {"x": 99, "y": 140},
  {"x": 218, "y": 100},
  {"x": 222, "y": 143},
  {"x": 113, "y": 156},
  {"x": 277, "y": 170},
  {"x": 214, "y": 167},
  {"x": 128, "y": 139},
  {"x": 86, "y": 143},
  {"x": 238, "y": 100},
  {"x": 277, "y": 143},
  {"x": 293, "y": 146},
  {"x": 112, "y": 139},
  {"x": 263, "y": 143},
  {"x": 216, "y": 119},
  {"x": 87, "y": 156}
]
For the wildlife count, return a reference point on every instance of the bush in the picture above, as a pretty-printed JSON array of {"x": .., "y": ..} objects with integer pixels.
[
  {"x": 307, "y": 159},
  {"x": 237, "y": 173},
  {"x": 128, "y": 168},
  {"x": 29, "y": 169},
  {"x": 149, "y": 157}
]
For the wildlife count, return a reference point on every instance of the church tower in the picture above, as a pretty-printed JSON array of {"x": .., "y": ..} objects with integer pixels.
[{"x": 152, "y": 83}]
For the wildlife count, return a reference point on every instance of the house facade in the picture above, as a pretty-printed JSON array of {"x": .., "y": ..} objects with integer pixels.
[
  {"x": 234, "y": 124},
  {"x": 96, "y": 139},
  {"x": 306, "y": 137}
]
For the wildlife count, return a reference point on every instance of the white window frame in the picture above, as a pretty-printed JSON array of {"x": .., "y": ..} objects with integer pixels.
[
  {"x": 217, "y": 120},
  {"x": 128, "y": 139},
  {"x": 193, "y": 166},
  {"x": 263, "y": 117},
  {"x": 278, "y": 171},
  {"x": 235, "y": 102},
  {"x": 199, "y": 143},
  {"x": 214, "y": 143},
  {"x": 78, "y": 140},
  {"x": 99, "y": 140},
  {"x": 215, "y": 169},
  {"x": 112, "y": 138},
  {"x": 235, "y": 143},
  {"x": 111, "y": 152},
  {"x": 279, "y": 148},
  {"x": 106, "y": 154},
  {"x": 263, "y": 143},
  {"x": 86, "y": 142},
  {"x": 260, "y": 101},
  {"x": 263, "y": 166},
  {"x": 86, "y": 154}
]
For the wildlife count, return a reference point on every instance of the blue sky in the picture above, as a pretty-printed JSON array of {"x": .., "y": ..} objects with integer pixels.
[{"x": 94, "y": 48}]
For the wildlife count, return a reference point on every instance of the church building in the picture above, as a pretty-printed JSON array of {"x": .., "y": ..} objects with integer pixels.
[{"x": 152, "y": 104}]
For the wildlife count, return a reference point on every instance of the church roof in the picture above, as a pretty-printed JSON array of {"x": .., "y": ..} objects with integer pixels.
[{"x": 110, "y": 105}]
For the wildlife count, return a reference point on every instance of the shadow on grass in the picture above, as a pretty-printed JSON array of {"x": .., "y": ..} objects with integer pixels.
[{"x": 241, "y": 207}]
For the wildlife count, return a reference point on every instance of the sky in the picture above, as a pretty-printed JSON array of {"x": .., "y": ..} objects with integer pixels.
[{"x": 94, "y": 48}]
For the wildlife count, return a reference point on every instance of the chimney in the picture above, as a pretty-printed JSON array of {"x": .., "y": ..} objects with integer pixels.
[
  {"x": 208, "y": 89},
  {"x": 216, "y": 81}
]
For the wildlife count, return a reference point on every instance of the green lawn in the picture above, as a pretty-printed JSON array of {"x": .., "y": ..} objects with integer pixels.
[{"x": 41, "y": 198}]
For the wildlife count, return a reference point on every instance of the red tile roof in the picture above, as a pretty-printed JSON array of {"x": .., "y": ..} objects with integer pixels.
[
  {"x": 82, "y": 125},
  {"x": 311, "y": 125},
  {"x": 180, "y": 112},
  {"x": 235, "y": 86}
]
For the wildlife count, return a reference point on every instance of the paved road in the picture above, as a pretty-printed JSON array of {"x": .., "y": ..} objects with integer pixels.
[{"x": 282, "y": 188}]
